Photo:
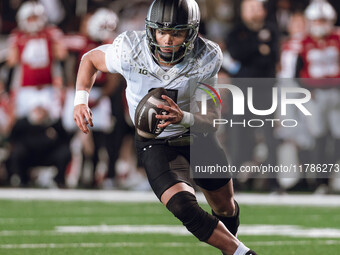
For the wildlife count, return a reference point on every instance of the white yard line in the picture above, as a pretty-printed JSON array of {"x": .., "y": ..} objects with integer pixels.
[
  {"x": 286, "y": 230},
  {"x": 249, "y": 230},
  {"x": 154, "y": 244},
  {"x": 30, "y": 233},
  {"x": 246, "y": 230},
  {"x": 97, "y": 245},
  {"x": 302, "y": 242},
  {"x": 133, "y": 196},
  {"x": 125, "y": 229}
]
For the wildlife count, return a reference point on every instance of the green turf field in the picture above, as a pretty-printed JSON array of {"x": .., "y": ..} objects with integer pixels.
[{"x": 33, "y": 227}]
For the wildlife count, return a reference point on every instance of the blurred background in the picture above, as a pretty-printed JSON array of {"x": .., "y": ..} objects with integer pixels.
[{"x": 279, "y": 41}]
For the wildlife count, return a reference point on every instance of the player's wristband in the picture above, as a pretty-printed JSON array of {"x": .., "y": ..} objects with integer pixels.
[
  {"x": 82, "y": 97},
  {"x": 188, "y": 119}
]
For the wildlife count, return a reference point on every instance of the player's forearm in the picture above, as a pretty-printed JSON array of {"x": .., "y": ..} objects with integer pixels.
[
  {"x": 12, "y": 57},
  {"x": 91, "y": 62},
  {"x": 86, "y": 74},
  {"x": 204, "y": 123}
]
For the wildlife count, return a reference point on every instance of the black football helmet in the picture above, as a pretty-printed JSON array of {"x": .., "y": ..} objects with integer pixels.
[{"x": 172, "y": 15}]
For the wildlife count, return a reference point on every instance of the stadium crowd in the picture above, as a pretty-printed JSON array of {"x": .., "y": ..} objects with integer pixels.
[{"x": 266, "y": 44}]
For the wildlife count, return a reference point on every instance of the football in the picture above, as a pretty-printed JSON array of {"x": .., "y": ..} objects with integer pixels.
[{"x": 146, "y": 111}]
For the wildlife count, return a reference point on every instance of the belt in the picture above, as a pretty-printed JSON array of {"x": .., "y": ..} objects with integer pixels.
[{"x": 185, "y": 139}]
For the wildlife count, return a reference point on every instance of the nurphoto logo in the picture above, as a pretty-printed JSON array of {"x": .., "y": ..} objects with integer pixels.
[{"x": 285, "y": 99}]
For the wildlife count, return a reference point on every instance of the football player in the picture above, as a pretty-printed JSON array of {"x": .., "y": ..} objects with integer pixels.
[
  {"x": 318, "y": 65},
  {"x": 34, "y": 47},
  {"x": 170, "y": 54}
]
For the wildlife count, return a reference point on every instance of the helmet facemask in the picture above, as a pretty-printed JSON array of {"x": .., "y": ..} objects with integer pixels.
[
  {"x": 320, "y": 28},
  {"x": 176, "y": 55},
  {"x": 321, "y": 16}
]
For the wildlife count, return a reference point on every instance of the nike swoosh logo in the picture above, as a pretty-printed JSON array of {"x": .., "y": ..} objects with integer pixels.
[{"x": 151, "y": 111}]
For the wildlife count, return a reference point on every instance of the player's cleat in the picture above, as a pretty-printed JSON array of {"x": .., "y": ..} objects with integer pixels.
[{"x": 251, "y": 253}]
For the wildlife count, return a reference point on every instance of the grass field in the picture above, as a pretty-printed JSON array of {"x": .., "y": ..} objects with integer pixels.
[{"x": 56, "y": 227}]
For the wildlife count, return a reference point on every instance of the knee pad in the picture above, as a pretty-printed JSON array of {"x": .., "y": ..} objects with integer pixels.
[
  {"x": 184, "y": 206},
  {"x": 231, "y": 223}
]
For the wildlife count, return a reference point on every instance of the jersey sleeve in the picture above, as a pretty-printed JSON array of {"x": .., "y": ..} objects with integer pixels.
[
  {"x": 55, "y": 33},
  {"x": 211, "y": 62},
  {"x": 208, "y": 81},
  {"x": 113, "y": 55},
  {"x": 75, "y": 42},
  {"x": 218, "y": 61}
]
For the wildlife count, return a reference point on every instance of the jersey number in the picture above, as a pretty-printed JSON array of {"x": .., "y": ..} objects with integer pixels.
[
  {"x": 172, "y": 93},
  {"x": 323, "y": 63},
  {"x": 35, "y": 53}
]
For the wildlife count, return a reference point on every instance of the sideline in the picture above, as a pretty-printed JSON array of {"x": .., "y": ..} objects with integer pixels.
[{"x": 142, "y": 196}]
